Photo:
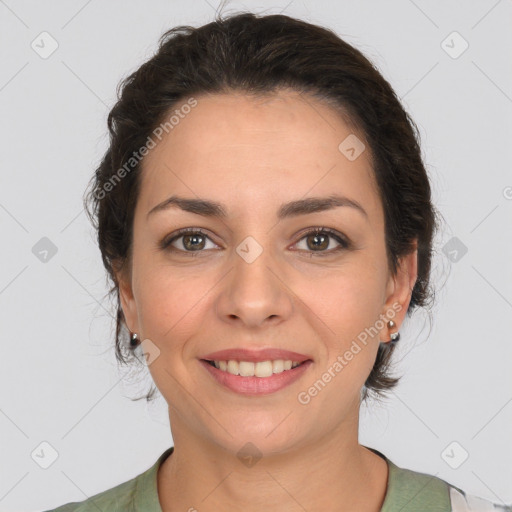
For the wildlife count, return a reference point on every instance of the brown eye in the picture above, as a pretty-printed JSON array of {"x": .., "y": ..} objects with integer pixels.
[
  {"x": 193, "y": 242},
  {"x": 187, "y": 241},
  {"x": 318, "y": 241},
  {"x": 321, "y": 241}
]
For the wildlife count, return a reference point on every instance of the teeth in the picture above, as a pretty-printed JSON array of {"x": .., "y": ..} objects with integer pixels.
[{"x": 260, "y": 369}]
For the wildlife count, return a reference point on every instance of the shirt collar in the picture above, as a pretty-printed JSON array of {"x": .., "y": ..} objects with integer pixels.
[
  {"x": 405, "y": 488},
  {"x": 411, "y": 490},
  {"x": 146, "y": 492}
]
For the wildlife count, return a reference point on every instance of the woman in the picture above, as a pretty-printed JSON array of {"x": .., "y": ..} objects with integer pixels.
[{"x": 265, "y": 216}]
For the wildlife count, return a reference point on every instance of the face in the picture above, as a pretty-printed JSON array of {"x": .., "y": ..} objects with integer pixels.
[{"x": 259, "y": 276}]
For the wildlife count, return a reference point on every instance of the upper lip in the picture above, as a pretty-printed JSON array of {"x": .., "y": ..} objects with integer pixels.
[{"x": 266, "y": 354}]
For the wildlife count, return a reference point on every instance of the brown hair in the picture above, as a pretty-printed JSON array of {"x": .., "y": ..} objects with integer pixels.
[{"x": 258, "y": 54}]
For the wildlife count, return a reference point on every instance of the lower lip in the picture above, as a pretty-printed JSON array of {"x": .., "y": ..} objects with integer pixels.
[{"x": 257, "y": 385}]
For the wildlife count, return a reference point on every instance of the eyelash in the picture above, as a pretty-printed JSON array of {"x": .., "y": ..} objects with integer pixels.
[{"x": 165, "y": 244}]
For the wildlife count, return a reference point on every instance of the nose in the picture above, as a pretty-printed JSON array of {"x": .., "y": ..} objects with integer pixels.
[{"x": 255, "y": 293}]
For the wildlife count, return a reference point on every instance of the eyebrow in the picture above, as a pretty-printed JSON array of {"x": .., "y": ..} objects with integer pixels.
[{"x": 208, "y": 208}]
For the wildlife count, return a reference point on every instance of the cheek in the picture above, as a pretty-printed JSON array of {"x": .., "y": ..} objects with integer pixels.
[
  {"x": 169, "y": 300},
  {"x": 345, "y": 299},
  {"x": 349, "y": 303}
]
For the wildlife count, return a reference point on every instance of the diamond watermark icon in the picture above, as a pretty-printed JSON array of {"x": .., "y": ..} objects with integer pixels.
[
  {"x": 249, "y": 249},
  {"x": 351, "y": 147},
  {"x": 44, "y": 45},
  {"x": 454, "y": 455},
  {"x": 454, "y": 249},
  {"x": 249, "y": 454},
  {"x": 454, "y": 45},
  {"x": 44, "y": 250},
  {"x": 150, "y": 351},
  {"x": 44, "y": 455}
]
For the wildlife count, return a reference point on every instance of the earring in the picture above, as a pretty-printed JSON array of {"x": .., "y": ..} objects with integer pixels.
[
  {"x": 134, "y": 340},
  {"x": 395, "y": 336}
]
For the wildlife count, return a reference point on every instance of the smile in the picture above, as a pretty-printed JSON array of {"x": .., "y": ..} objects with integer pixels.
[
  {"x": 255, "y": 378},
  {"x": 258, "y": 369}
]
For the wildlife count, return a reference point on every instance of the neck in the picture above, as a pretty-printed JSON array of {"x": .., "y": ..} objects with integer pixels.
[{"x": 200, "y": 475}]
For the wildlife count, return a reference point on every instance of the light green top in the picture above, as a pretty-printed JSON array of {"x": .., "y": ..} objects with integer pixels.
[{"x": 407, "y": 491}]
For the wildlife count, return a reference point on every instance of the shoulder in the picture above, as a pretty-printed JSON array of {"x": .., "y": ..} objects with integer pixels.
[
  {"x": 421, "y": 492},
  {"x": 464, "y": 502},
  {"x": 118, "y": 498},
  {"x": 139, "y": 493},
  {"x": 414, "y": 491}
]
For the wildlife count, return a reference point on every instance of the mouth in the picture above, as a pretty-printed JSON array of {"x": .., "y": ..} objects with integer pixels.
[
  {"x": 260, "y": 369},
  {"x": 259, "y": 378}
]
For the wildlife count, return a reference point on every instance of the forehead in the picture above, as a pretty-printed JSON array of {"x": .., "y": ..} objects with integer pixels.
[{"x": 268, "y": 149}]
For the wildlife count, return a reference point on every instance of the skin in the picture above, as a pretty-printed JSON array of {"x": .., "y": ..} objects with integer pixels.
[{"x": 253, "y": 154}]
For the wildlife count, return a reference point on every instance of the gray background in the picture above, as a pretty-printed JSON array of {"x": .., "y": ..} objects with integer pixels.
[{"x": 59, "y": 380}]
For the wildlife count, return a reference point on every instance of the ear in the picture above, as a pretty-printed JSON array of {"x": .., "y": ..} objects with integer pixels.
[
  {"x": 128, "y": 305},
  {"x": 399, "y": 292}
]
